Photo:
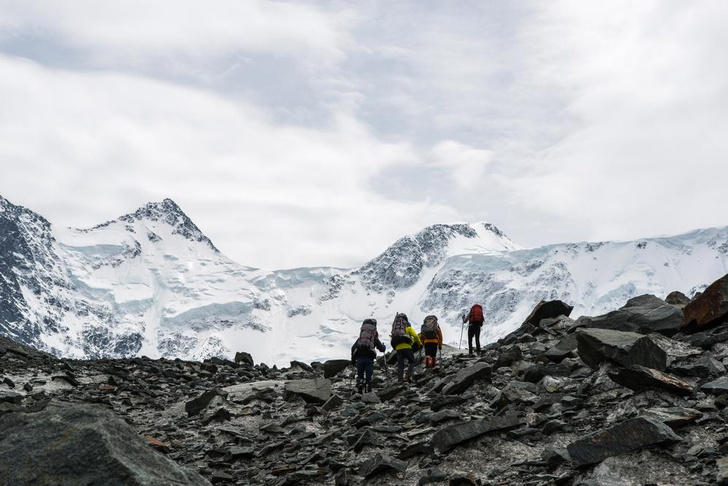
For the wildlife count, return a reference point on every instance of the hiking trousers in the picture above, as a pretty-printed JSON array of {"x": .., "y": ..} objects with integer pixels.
[
  {"x": 474, "y": 332},
  {"x": 405, "y": 354},
  {"x": 431, "y": 350},
  {"x": 364, "y": 366}
]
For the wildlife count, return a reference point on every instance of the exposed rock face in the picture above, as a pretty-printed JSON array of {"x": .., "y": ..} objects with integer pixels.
[
  {"x": 625, "y": 348},
  {"x": 711, "y": 307},
  {"x": 644, "y": 314},
  {"x": 70, "y": 444}
]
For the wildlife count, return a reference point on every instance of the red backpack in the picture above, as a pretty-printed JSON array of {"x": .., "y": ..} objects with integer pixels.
[{"x": 476, "y": 314}]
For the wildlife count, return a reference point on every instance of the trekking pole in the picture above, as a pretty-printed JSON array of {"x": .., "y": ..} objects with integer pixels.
[{"x": 462, "y": 327}]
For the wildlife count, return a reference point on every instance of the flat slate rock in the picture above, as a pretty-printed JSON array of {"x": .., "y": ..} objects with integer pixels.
[
  {"x": 69, "y": 444},
  {"x": 197, "y": 405},
  {"x": 381, "y": 463},
  {"x": 716, "y": 387},
  {"x": 640, "y": 378},
  {"x": 628, "y": 436},
  {"x": 625, "y": 348},
  {"x": 465, "y": 378},
  {"x": 317, "y": 390},
  {"x": 673, "y": 416},
  {"x": 450, "y": 436}
]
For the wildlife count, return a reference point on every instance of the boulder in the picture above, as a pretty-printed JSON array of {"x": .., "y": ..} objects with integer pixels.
[
  {"x": 449, "y": 436},
  {"x": 710, "y": 308},
  {"x": 677, "y": 298},
  {"x": 548, "y": 310},
  {"x": 625, "y": 437},
  {"x": 639, "y": 378},
  {"x": 465, "y": 378},
  {"x": 70, "y": 444},
  {"x": 312, "y": 391},
  {"x": 508, "y": 356},
  {"x": 625, "y": 348},
  {"x": 244, "y": 358},
  {"x": 333, "y": 367},
  {"x": 644, "y": 314}
]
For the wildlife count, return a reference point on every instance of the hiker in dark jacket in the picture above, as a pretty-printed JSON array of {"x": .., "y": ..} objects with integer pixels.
[
  {"x": 474, "y": 318},
  {"x": 363, "y": 354}
]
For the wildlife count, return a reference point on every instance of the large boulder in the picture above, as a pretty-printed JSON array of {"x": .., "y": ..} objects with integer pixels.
[
  {"x": 244, "y": 358},
  {"x": 625, "y": 437},
  {"x": 70, "y": 444},
  {"x": 625, "y": 348},
  {"x": 465, "y": 378},
  {"x": 563, "y": 349},
  {"x": 312, "y": 391},
  {"x": 644, "y": 314},
  {"x": 548, "y": 310},
  {"x": 710, "y": 308}
]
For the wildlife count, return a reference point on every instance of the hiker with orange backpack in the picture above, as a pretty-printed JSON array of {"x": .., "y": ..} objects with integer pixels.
[
  {"x": 403, "y": 338},
  {"x": 475, "y": 319},
  {"x": 431, "y": 337},
  {"x": 363, "y": 353}
]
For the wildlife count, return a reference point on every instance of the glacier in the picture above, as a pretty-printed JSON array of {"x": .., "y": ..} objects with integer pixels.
[{"x": 151, "y": 283}]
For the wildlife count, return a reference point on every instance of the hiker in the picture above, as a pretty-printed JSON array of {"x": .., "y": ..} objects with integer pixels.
[
  {"x": 363, "y": 353},
  {"x": 403, "y": 338},
  {"x": 431, "y": 337},
  {"x": 474, "y": 318}
]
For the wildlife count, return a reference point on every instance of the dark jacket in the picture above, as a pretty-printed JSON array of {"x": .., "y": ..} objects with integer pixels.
[{"x": 367, "y": 352}]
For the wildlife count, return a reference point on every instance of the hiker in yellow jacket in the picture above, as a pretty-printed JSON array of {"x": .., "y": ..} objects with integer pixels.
[
  {"x": 403, "y": 337},
  {"x": 431, "y": 337}
]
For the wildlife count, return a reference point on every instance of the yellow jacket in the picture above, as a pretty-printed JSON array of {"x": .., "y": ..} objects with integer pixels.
[{"x": 415, "y": 339}]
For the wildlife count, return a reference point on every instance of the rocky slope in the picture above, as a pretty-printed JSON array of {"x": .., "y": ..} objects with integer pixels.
[
  {"x": 150, "y": 283},
  {"x": 633, "y": 397}
]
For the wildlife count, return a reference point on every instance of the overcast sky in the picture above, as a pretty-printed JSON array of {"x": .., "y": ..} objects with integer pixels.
[{"x": 317, "y": 133}]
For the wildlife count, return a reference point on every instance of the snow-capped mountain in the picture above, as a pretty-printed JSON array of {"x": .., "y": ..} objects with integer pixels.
[{"x": 151, "y": 283}]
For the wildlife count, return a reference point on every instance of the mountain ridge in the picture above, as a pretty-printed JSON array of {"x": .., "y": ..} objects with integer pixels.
[{"x": 151, "y": 283}]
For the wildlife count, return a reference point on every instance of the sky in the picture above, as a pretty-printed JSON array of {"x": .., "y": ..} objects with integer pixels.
[{"x": 316, "y": 133}]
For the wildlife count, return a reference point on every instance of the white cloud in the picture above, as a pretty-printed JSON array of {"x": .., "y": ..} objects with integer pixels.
[
  {"x": 267, "y": 194},
  {"x": 463, "y": 164}
]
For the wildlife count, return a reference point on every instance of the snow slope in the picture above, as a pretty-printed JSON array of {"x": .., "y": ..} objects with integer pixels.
[{"x": 150, "y": 283}]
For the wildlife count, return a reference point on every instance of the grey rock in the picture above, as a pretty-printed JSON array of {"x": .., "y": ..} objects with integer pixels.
[
  {"x": 677, "y": 298},
  {"x": 702, "y": 368},
  {"x": 451, "y": 435},
  {"x": 716, "y": 387},
  {"x": 317, "y": 390},
  {"x": 333, "y": 367},
  {"x": 710, "y": 308},
  {"x": 673, "y": 416},
  {"x": 626, "y": 348},
  {"x": 81, "y": 444},
  {"x": 548, "y": 310},
  {"x": 625, "y": 437},
  {"x": 197, "y": 405},
  {"x": 381, "y": 463},
  {"x": 643, "y": 314},
  {"x": 565, "y": 348},
  {"x": 640, "y": 378},
  {"x": 465, "y": 378},
  {"x": 244, "y": 358},
  {"x": 332, "y": 403}
]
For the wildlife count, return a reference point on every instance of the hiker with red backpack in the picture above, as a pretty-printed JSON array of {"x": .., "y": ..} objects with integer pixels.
[
  {"x": 475, "y": 319},
  {"x": 403, "y": 338},
  {"x": 431, "y": 337},
  {"x": 363, "y": 354}
]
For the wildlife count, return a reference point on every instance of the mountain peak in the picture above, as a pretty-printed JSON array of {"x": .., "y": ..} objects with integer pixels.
[{"x": 168, "y": 212}]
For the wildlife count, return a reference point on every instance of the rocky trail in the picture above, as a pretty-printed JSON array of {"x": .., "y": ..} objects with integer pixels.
[{"x": 635, "y": 397}]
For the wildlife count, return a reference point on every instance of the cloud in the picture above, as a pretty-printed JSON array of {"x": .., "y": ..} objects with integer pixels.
[
  {"x": 267, "y": 194},
  {"x": 463, "y": 164}
]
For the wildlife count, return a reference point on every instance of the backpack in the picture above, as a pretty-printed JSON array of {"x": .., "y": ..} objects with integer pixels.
[
  {"x": 430, "y": 327},
  {"x": 399, "y": 331},
  {"x": 476, "y": 314},
  {"x": 367, "y": 334}
]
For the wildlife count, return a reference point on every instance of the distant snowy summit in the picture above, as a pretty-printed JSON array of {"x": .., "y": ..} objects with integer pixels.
[{"x": 151, "y": 283}]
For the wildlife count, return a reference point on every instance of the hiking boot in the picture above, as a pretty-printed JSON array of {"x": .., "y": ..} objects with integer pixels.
[
  {"x": 360, "y": 389},
  {"x": 406, "y": 379}
]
